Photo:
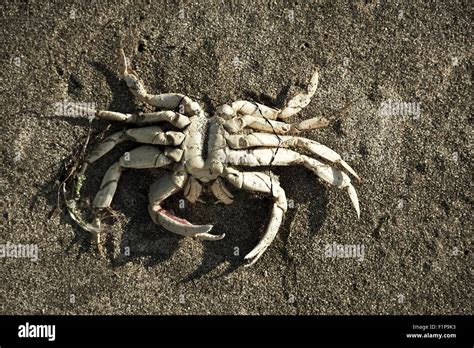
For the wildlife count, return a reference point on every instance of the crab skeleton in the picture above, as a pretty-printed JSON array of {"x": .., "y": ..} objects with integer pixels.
[{"x": 206, "y": 150}]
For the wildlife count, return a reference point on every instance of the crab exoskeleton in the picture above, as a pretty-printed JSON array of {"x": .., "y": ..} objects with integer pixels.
[{"x": 206, "y": 150}]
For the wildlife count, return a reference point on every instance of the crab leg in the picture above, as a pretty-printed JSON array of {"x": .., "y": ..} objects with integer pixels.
[
  {"x": 145, "y": 135},
  {"x": 271, "y": 140},
  {"x": 248, "y": 108},
  {"x": 237, "y": 124},
  {"x": 242, "y": 113},
  {"x": 176, "y": 119},
  {"x": 169, "y": 101},
  {"x": 104, "y": 147},
  {"x": 141, "y": 157},
  {"x": 260, "y": 182},
  {"x": 285, "y": 157},
  {"x": 301, "y": 100},
  {"x": 162, "y": 189},
  {"x": 155, "y": 135}
]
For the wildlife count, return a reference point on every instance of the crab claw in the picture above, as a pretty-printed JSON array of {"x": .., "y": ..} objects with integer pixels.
[
  {"x": 161, "y": 190},
  {"x": 179, "y": 225}
]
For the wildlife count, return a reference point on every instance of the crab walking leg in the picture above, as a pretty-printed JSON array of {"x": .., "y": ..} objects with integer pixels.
[
  {"x": 104, "y": 147},
  {"x": 301, "y": 100},
  {"x": 176, "y": 119},
  {"x": 260, "y": 182},
  {"x": 141, "y": 157},
  {"x": 162, "y": 189},
  {"x": 248, "y": 108},
  {"x": 146, "y": 135},
  {"x": 237, "y": 124},
  {"x": 284, "y": 157},
  {"x": 155, "y": 135},
  {"x": 271, "y": 140},
  {"x": 170, "y": 101}
]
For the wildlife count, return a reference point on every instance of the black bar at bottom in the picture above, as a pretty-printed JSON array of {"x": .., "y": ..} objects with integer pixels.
[{"x": 448, "y": 331}]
